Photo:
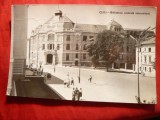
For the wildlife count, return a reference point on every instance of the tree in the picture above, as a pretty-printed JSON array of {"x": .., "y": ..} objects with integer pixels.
[
  {"x": 106, "y": 47},
  {"x": 93, "y": 52}
]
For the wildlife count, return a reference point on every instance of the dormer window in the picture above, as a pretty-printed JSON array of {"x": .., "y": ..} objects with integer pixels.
[{"x": 50, "y": 37}]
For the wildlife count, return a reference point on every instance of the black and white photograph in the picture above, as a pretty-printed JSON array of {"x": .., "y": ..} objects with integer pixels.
[{"x": 97, "y": 53}]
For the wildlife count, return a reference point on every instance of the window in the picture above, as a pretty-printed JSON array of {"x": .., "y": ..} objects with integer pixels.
[
  {"x": 149, "y": 49},
  {"x": 145, "y": 68},
  {"x": 145, "y": 58},
  {"x": 67, "y": 57},
  {"x": 84, "y": 47},
  {"x": 149, "y": 59},
  {"x": 76, "y": 55},
  {"x": 43, "y": 46},
  {"x": 68, "y": 47},
  {"x": 149, "y": 69},
  {"x": 50, "y": 46},
  {"x": 58, "y": 46},
  {"x": 76, "y": 46},
  {"x": 51, "y": 37},
  {"x": 84, "y": 56},
  {"x": 139, "y": 49},
  {"x": 84, "y": 38},
  {"x": 68, "y": 38}
]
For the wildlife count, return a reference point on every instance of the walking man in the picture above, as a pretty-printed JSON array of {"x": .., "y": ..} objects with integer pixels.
[
  {"x": 72, "y": 81},
  {"x": 90, "y": 78}
]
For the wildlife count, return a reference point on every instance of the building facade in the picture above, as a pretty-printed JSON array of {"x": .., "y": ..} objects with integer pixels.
[
  {"x": 60, "y": 41},
  {"x": 18, "y": 47},
  {"x": 146, "y": 57}
]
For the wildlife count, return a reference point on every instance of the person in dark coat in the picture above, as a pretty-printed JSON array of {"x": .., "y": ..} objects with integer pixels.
[
  {"x": 48, "y": 76},
  {"x": 72, "y": 81},
  {"x": 90, "y": 78},
  {"x": 80, "y": 94},
  {"x": 73, "y": 94},
  {"x": 76, "y": 94}
]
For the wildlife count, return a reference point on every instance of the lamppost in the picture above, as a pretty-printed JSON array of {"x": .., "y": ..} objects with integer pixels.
[
  {"x": 80, "y": 44},
  {"x": 138, "y": 47}
]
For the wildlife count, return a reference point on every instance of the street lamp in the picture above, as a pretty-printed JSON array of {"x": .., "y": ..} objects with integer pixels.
[
  {"x": 138, "y": 47},
  {"x": 55, "y": 54},
  {"x": 80, "y": 44}
]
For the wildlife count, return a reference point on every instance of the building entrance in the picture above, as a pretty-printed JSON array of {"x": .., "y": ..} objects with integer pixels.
[
  {"x": 76, "y": 63},
  {"x": 49, "y": 58}
]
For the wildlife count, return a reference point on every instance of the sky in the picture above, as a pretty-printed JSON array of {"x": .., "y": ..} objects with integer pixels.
[{"x": 142, "y": 18}]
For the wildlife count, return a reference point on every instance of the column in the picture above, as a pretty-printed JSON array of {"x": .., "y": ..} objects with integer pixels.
[
  {"x": 133, "y": 66},
  {"x": 125, "y": 66}
]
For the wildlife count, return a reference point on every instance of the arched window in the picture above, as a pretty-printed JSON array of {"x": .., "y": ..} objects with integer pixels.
[{"x": 51, "y": 37}]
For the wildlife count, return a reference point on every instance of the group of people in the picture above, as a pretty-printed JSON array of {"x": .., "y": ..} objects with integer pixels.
[
  {"x": 36, "y": 71},
  {"x": 40, "y": 70},
  {"x": 68, "y": 81},
  {"x": 76, "y": 94}
]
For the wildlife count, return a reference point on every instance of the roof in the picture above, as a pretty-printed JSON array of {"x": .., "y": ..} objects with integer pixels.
[
  {"x": 114, "y": 23},
  {"x": 65, "y": 19},
  {"x": 149, "y": 41},
  {"x": 89, "y": 28}
]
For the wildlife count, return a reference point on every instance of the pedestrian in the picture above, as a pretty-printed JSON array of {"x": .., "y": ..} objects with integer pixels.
[
  {"x": 90, "y": 78},
  {"x": 65, "y": 83},
  {"x": 80, "y": 94},
  {"x": 49, "y": 76},
  {"x": 72, "y": 81},
  {"x": 73, "y": 94},
  {"x": 68, "y": 82},
  {"x": 76, "y": 94}
]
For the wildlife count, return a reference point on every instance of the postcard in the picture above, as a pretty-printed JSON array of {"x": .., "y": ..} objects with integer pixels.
[{"x": 97, "y": 53}]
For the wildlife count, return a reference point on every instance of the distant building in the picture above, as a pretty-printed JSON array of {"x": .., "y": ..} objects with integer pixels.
[
  {"x": 146, "y": 57},
  {"x": 60, "y": 41}
]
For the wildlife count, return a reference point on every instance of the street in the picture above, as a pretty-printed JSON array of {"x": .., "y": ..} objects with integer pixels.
[{"x": 105, "y": 86}]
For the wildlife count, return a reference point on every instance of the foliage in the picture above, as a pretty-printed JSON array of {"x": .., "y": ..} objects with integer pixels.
[{"x": 106, "y": 47}]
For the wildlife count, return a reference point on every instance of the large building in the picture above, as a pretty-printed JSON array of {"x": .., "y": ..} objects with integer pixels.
[
  {"x": 60, "y": 41},
  {"x": 146, "y": 57}
]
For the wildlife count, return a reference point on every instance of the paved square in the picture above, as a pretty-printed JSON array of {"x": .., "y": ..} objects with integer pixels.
[{"x": 105, "y": 86}]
